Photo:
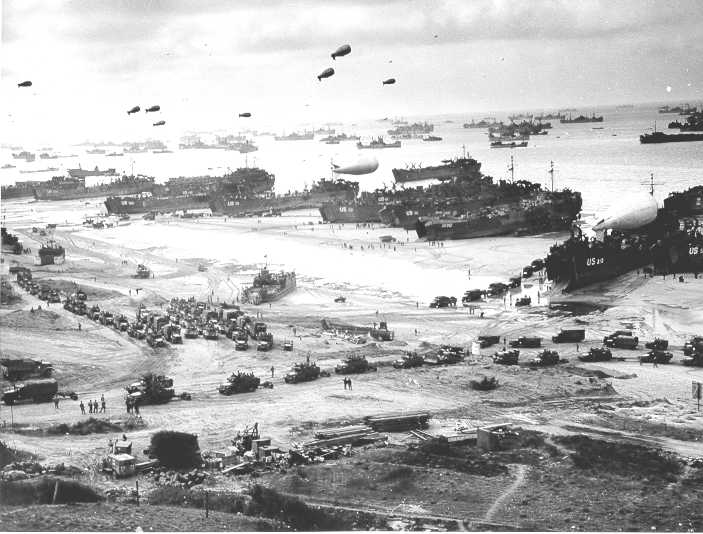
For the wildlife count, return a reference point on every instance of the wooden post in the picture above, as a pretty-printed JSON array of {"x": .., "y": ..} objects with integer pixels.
[
  {"x": 137, "y": 484},
  {"x": 206, "y": 504},
  {"x": 56, "y": 492}
]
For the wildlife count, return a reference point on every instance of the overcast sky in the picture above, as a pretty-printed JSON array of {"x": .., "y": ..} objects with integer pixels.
[{"x": 205, "y": 61}]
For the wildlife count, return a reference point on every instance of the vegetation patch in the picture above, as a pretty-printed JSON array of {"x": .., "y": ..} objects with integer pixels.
[
  {"x": 45, "y": 490},
  {"x": 176, "y": 450},
  {"x": 83, "y": 428},
  {"x": 8, "y": 455}
]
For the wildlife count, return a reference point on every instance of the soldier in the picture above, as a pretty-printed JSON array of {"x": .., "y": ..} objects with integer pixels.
[
  {"x": 79, "y": 327},
  {"x": 345, "y": 382},
  {"x": 82, "y": 406},
  {"x": 90, "y": 406},
  {"x": 56, "y": 402},
  {"x": 349, "y": 382},
  {"x": 102, "y": 405},
  {"x": 272, "y": 369}
]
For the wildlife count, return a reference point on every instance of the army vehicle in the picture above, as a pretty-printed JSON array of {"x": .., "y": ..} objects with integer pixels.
[
  {"x": 597, "y": 354},
  {"x": 94, "y": 312},
  {"x": 627, "y": 333},
  {"x": 241, "y": 344},
  {"x": 537, "y": 265},
  {"x": 142, "y": 272},
  {"x": 523, "y": 301},
  {"x": 695, "y": 344},
  {"x": 472, "y": 295},
  {"x": 506, "y": 357},
  {"x": 622, "y": 342},
  {"x": 694, "y": 360},
  {"x": 446, "y": 355},
  {"x": 340, "y": 300},
  {"x": 409, "y": 360},
  {"x": 545, "y": 358},
  {"x": 443, "y": 302},
  {"x": 21, "y": 369},
  {"x": 656, "y": 356},
  {"x": 172, "y": 333},
  {"x": 121, "y": 323},
  {"x": 81, "y": 295},
  {"x": 485, "y": 384},
  {"x": 302, "y": 372},
  {"x": 255, "y": 329},
  {"x": 240, "y": 382},
  {"x": 354, "y": 364},
  {"x": 54, "y": 297},
  {"x": 151, "y": 389},
  {"x": 210, "y": 332},
  {"x": 569, "y": 336},
  {"x": 154, "y": 339},
  {"x": 657, "y": 344},
  {"x": 487, "y": 341},
  {"x": 526, "y": 342},
  {"x": 265, "y": 342},
  {"x": 287, "y": 345},
  {"x": 382, "y": 333},
  {"x": 191, "y": 331},
  {"x": 496, "y": 289},
  {"x": 40, "y": 390}
]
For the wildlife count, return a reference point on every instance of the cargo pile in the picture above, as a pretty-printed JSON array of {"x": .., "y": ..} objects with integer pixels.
[{"x": 398, "y": 422}]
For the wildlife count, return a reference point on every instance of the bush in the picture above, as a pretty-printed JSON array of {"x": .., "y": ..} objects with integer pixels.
[
  {"x": 41, "y": 491},
  {"x": 9, "y": 455},
  {"x": 230, "y": 503},
  {"x": 176, "y": 450},
  {"x": 89, "y": 426},
  {"x": 292, "y": 511}
]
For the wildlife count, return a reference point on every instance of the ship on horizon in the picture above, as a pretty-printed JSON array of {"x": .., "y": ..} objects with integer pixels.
[
  {"x": 459, "y": 167},
  {"x": 378, "y": 143}
]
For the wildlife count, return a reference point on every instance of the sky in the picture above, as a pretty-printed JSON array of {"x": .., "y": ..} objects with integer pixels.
[{"x": 206, "y": 61}]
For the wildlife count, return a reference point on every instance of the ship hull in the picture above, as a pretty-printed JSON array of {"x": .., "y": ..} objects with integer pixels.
[
  {"x": 350, "y": 213},
  {"x": 670, "y": 138},
  {"x": 90, "y": 192},
  {"x": 242, "y": 207},
  {"x": 433, "y": 173},
  {"x": 439, "y": 230},
  {"x": 134, "y": 205}
]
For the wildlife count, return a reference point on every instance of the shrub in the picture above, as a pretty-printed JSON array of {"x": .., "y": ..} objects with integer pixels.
[
  {"x": 230, "y": 503},
  {"x": 8, "y": 455},
  {"x": 294, "y": 512},
  {"x": 89, "y": 426},
  {"x": 41, "y": 491},
  {"x": 177, "y": 450}
]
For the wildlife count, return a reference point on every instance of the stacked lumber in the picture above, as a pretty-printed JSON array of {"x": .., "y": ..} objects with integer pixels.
[
  {"x": 398, "y": 422},
  {"x": 349, "y": 435}
]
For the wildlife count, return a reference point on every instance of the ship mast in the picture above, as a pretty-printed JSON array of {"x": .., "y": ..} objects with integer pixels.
[
  {"x": 551, "y": 173},
  {"x": 511, "y": 168}
]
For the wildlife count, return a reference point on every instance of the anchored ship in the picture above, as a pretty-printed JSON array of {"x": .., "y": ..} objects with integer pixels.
[
  {"x": 73, "y": 187},
  {"x": 84, "y": 173},
  {"x": 378, "y": 143},
  {"x": 450, "y": 169},
  {"x": 661, "y": 137},
  {"x": 670, "y": 239},
  {"x": 520, "y": 208},
  {"x": 409, "y": 131},
  {"x": 295, "y": 136},
  {"x": 19, "y": 190},
  {"x": 580, "y": 119}
]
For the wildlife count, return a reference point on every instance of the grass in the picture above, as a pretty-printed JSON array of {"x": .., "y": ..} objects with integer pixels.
[
  {"x": 8, "y": 455},
  {"x": 41, "y": 490}
]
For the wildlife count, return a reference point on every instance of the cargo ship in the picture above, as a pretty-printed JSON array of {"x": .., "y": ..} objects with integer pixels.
[
  {"x": 243, "y": 202},
  {"x": 378, "y": 143},
  {"x": 51, "y": 253},
  {"x": 363, "y": 209},
  {"x": 268, "y": 287},
  {"x": 520, "y": 208},
  {"x": 669, "y": 239},
  {"x": 84, "y": 173},
  {"x": 295, "y": 136},
  {"x": 10, "y": 243},
  {"x": 459, "y": 167},
  {"x": 581, "y": 119},
  {"x": 693, "y": 123},
  {"x": 409, "y": 131},
  {"x": 483, "y": 123},
  {"x": 70, "y": 188},
  {"x": 26, "y": 156},
  {"x": 19, "y": 190},
  {"x": 661, "y": 137}
]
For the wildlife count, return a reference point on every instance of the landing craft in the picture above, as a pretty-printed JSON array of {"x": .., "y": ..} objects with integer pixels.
[
  {"x": 389, "y": 81},
  {"x": 25, "y": 84},
  {"x": 361, "y": 166},
  {"x": 160, "y": 123},
  {"x": 133, "y": 110},
  {"x": 325, "y": 74},
  {"x": 245, "y": 114},
  {"x": 630, "y": 216},
  {"x": 341, "y": 51},
  {"x": 153, "y": 108}
]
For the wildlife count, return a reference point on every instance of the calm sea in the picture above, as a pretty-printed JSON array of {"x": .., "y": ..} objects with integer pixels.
[{"x": 605, "y": 161}]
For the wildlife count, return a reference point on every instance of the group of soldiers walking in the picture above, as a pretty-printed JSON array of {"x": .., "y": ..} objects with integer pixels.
[{"x": 93, "y": 406}]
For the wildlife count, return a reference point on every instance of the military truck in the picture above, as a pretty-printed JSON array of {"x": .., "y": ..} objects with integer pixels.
[
  {"x": 151, "y": 389},
  {"x": 622, "y": 342},
  {"x": 694, "y": 360},
  {"x": 573, "y": 335},
  {"x": 354, "y": 364},
  {"x": 471, "y": 295},
  {"x": 409, "y": 360},
  {"x": 523, "y": 301},
  {"x": 121, "y": 323},
  {"x": 20, "y": 369},
  {"x": 302, "y": 372},
  {"x": 597, "y": 354},
  {"x": 487, "y": 341},
  {"x": 287, "y": 345},
  {"x": 210, "y": 331},
  {"x": 695, "y": 344},
  {"x": 443, "y": 302},
  {"x": 94, "y": 312},
  {"x": 657, "y": 344},
  {"x": 142, "y": 272},
  {"x": 382, "y": 333},
  {"x": 609, "y": 337},
  {"x": 241, "y": 343},
  {"x": 40, "y": 390},
  {"x": 526, "y": 342},
  {"x": 265, "y": 342},
  {"x": 191, "y": 331},
  {"x": 506, "y": 357},
  {"x": 172, "y": 333},
  {"x": 658, "y": 356},
  {"x": 545, "y": 358},
  {"x": 446, "y": 355},
  {"x": 154, "y": 339},
  {"x": 106, "y": 318},
  {"x": 240, "y": 382}
]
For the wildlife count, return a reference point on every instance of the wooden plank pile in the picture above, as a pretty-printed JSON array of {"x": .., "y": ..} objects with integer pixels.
[
  {"x": 345, "y": 435},
  {"x": 398, "y": 422}
]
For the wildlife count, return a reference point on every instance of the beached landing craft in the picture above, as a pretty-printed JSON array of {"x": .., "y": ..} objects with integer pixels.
[{"x": 669, "y": 239}]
